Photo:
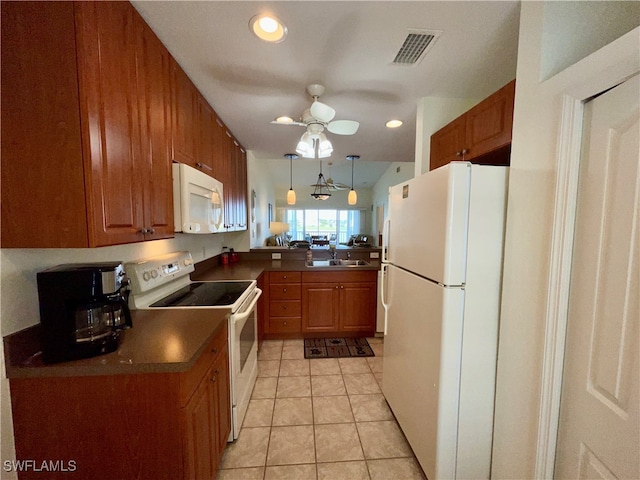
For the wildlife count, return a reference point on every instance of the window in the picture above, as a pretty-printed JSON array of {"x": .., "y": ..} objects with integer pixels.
[{"x": 335, "y": 225}]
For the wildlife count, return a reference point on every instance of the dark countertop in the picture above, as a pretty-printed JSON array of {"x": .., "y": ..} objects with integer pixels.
[
  {"x": 170, "y": 340},
  {"x": 161, "y": 341},
  {"x": 252, "y": 264}
]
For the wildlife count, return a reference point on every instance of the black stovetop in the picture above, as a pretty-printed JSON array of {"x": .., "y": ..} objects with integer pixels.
[{"x": 205, "y": 294}]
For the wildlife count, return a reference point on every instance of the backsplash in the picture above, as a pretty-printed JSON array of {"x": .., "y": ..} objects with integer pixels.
[{"x": 18, "y": 268}]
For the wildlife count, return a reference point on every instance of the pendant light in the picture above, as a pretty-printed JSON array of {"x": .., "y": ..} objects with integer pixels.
[
  {"x": 352, "y": 199},
  {"x": 321, "y": 190},
  {"x": 291, "y": 194}
]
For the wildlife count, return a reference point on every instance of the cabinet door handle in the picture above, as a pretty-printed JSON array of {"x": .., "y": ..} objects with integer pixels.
[
  {"x": 214, "y": 350},
  {"x": 284, "y": 290},
  {"x": 217, "y": 372},
  {"x": 284, "y": 276},
  {"x": 151, "y": 230},
  {"x": 284, "y": 307},
  {"x": 284, "y": 323},
  {"x": 341, "y": 286},
  {"x": 143, "y": 231},
  {"x": 202, "y": 165}
]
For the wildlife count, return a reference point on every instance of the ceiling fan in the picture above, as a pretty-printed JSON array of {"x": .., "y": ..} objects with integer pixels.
[
  {"x": 315, "y": 119},
  {"x": 335, "y": 185}
]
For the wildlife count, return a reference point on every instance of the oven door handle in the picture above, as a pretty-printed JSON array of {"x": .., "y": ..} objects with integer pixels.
[{"x": 241, "y": 317}]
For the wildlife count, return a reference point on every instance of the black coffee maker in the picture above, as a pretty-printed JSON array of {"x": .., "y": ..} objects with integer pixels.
[{"x": 83, "y": 309}]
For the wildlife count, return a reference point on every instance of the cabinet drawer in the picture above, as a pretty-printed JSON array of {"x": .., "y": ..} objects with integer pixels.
[
  {"x": 284, "y": 292},
  {"x": 340, "y": 276},
  {"x": 284, "y": 324},
  {"x": 189, "y": 380},
  {"x": 284, "y": 308},
  {"x": 284, "y": 277}
]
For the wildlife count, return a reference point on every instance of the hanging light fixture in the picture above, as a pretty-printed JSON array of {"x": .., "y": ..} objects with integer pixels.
[
  {"x": 321, "y": 189},
  {"x": 291, "y": 194},
  {"x": 352, "y": 199}
]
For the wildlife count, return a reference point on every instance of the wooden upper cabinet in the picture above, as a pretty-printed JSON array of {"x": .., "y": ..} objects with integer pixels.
[
  {"x": 447, "y": 143},
  {"x": 154, "y": 86},
  {"x": 94, "y": 181},
  {"x": 206, "y": 123},
  {"x": 481, "y": 135},
  {"x": 108, "y": 98},
  {"x": 489, "y": 123},
  {"x": 185, "y": 117},
  {"x": 43, "y": 195}
]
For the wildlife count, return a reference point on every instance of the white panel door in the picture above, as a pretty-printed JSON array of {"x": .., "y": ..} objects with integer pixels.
[
  {"x": 422, "y": 355},
  {"x": 599, "y": 430}
]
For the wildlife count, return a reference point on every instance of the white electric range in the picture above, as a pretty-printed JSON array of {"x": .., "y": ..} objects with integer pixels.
[{"x": 164, "y": 282}]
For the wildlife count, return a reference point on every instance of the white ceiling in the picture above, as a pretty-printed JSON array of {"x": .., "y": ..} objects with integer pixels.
[{"x": 347, "y": 46}]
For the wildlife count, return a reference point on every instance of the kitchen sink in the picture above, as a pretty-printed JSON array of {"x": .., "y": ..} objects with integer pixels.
[{"x": 337, "y": 262}]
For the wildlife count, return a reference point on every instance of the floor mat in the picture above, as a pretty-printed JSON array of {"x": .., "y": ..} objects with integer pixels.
[{"x": 337, "y": 347}]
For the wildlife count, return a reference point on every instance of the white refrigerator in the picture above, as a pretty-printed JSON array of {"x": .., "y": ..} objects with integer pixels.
[{"x": 442, "y": 271}]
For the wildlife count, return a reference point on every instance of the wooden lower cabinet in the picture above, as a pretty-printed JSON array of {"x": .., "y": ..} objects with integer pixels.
[
  {"x": 284, "y": 302},
  {"x": 321, "y": 307},
  {"x": 320, "y": 303},
  {"x": 143, "y": 426},
  {"x": 207, "y": 421}
]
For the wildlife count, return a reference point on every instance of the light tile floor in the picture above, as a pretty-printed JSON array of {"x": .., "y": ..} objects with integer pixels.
[{"x": 320, "y": 419}]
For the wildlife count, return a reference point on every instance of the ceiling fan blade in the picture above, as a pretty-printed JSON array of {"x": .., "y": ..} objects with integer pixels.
[
  {"x": 300, "y": 124},
  {"x": 322, "y": 112},
  {"x": 343, "y": 127}
]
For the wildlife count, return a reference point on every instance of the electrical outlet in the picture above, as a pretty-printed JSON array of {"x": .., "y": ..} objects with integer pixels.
[
  {"x": 276, "y": 256},
  {"x": 374, "y": 254}
]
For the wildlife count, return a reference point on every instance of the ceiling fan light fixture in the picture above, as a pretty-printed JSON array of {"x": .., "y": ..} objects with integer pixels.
[
  {"x": 284, "y": 119},
  {"x": 268, "y": 28},
  {"x": 306, "y": 146},
  {"x": 325, "y": 149},
  {"x": 394, "y": 123}
]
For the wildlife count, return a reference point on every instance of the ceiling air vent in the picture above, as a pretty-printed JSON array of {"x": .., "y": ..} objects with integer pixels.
[{"x": 415, "y": 46}]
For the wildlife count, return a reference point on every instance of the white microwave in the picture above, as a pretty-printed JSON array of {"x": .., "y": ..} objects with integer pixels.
[{"x": 197, "y": 201}]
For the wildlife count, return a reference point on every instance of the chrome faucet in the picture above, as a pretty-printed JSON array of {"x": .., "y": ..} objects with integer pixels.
[
  {"x": 348, "y": 255},
  {"x": 333, "y": 253}
]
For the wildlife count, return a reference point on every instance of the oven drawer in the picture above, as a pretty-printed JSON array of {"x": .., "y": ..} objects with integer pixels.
[
  {"x": 285, "y": 277},
  {"x": 285, "y": 308},
  {"x": 189, "y": 380},
  {"x": 284, "y": 292},
  {"x": 285, "y": 324}
]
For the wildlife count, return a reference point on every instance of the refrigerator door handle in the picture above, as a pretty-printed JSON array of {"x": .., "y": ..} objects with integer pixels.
[
  {"x": 385, "y": 239},
  {"x": 385, "y": 305}
]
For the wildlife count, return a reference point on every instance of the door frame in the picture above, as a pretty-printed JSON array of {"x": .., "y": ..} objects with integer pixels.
[{"x": 618, "y": 65}]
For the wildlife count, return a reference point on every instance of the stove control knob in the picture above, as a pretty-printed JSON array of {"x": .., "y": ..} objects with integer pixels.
[
  {"x": 146, "y": 276},
  {"x": 188, "y": 261},
  {"x": 154, "y": 274}
]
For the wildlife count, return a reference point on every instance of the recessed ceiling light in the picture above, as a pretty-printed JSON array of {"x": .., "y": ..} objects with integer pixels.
[
  {"x": 268, "y": 28},
  {"x": 284, "y": 120},
  {"x": 393, "y": 123}
]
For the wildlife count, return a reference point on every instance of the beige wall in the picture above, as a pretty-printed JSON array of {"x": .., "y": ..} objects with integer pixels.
[{"x": 532, "y": 196}]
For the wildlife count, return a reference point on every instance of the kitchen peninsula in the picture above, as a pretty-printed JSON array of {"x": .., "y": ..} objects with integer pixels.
[{"x": 303, "y": 301}]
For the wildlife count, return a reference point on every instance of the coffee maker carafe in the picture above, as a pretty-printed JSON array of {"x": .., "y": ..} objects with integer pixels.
[{"x": 83, "y": 310}]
